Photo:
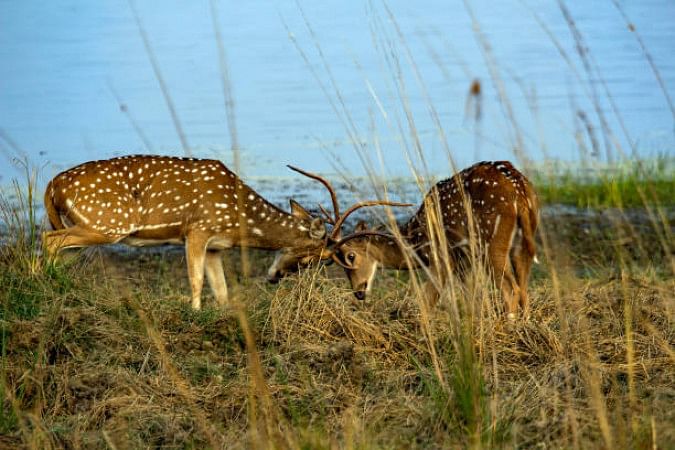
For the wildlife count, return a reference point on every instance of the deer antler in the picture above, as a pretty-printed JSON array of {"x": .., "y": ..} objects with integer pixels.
[
  {"x": 359, "y": 234},
  {"x": 329, "y": 219},
  {"x": 341, "y": 220},
  {"x": 322, "y": 180}
]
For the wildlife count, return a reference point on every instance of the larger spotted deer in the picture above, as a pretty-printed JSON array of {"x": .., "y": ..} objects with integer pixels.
[
  {"x": 151, "y": 200},
  {"x": 490, "y": 205}
]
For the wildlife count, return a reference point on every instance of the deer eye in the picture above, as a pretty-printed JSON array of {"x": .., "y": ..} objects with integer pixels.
[{"x": 351, "y": 257}]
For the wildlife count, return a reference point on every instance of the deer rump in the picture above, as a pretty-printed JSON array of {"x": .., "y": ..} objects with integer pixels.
[{"x": 150, "y": 199}]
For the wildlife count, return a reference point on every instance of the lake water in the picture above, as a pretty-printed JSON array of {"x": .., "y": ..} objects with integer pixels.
[{"x": 67, "y": 67}]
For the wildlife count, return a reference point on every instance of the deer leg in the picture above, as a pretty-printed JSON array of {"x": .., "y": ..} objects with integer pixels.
[
  {"x": 195, "y": 250},
  {"x": 522, "y": 259},
  {"x": 523, "y": 253},
  {"x": 503, "y": 276},
  {"x": 505, "y": 282},
  {"x": 431, "y": 293},
  {"x": 216, "y": 275},
  {"x": 438, "y": 280},
  {"x": 75, "y": 236}
]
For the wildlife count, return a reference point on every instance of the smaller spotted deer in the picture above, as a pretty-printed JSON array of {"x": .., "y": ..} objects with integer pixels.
[
  {"x": 502, "y": 220},
  {"x": 151, "y": 200}
]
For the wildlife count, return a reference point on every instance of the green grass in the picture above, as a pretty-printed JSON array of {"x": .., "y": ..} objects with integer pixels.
[{"x": 632, "y": 184}]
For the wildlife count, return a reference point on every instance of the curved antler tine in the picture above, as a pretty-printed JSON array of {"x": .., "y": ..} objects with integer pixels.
[
  {"x": 322, "y": 180},
  {"x": 338, "y": 224},
  {"x": 329, "y": 219},
  {"x": 361, "y": 234}
]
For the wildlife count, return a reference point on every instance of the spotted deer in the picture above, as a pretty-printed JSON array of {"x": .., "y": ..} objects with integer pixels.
[
  {"x": 503, "y": 218},
  {"x": 151, "y": 200}
]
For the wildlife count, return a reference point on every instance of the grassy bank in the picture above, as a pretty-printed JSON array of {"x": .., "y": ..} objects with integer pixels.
[
  {"x": 626, "y": 185},
  {"x": 101, "y": 351}
]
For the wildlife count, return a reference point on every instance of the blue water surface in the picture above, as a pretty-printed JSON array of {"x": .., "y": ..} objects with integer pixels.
[{"x": 323, "y": 84}]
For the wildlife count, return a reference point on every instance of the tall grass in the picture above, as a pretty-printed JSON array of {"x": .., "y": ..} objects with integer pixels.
[
  {"x": 18, "y": 210},
  {"x": 648, "y": 188},
  {"x": 101, "y": 351},
  {"x": 27, "y": 280}
]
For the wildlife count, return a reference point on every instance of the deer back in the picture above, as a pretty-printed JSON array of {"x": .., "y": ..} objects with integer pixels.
[
  {"x": 157, "y": 198},
  {"x": 474, "y": 202}
]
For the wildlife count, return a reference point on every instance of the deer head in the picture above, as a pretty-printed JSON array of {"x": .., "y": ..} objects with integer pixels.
[
  {"x": 290, "y": 260},
  {"x": 360, "y": 254}
]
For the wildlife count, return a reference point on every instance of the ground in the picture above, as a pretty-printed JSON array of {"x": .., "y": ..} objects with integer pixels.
[{"x": 100, "y": 350}]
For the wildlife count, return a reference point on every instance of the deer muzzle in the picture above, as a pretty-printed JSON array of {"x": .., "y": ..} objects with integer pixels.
[
  {"x": 274, "y": 277},
  {"x": 361, "y": 295}
]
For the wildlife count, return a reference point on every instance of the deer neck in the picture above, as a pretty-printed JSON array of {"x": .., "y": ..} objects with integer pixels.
[
  {"x": 389, "y": 250},
  {"x": 389, "y": 253},
  {"x": 289, "y": 232},
  {"x": 263, "y": 225}
]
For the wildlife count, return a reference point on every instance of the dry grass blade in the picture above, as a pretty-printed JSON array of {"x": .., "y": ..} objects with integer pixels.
[{"x": 160, "y": 79}]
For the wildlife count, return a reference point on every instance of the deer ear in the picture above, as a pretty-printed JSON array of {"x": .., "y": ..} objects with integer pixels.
[
  {"x": 361, "y": 226},
  {"x": 298, "y": 211},
  {"x": 317, "y": 228}
]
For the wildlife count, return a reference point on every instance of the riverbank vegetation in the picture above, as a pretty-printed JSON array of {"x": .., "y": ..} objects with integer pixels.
[
  {"x": 100, "y": 350},
  {"x": 631, "y": 183}
]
